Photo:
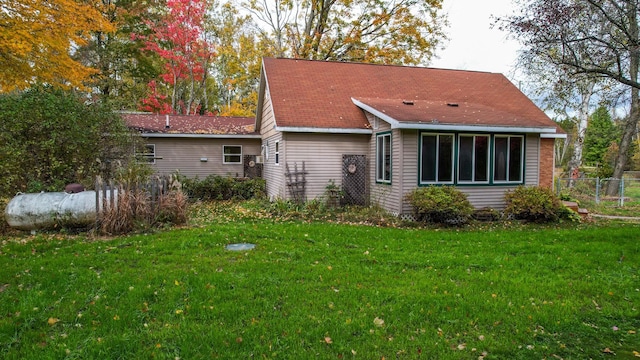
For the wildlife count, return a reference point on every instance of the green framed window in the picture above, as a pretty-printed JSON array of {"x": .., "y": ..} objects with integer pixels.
[
  {"x": 383, "y": 158},
  {"x": 508, "y": 159},
  {"x": 473, "y": 158},
  {"x": 436, "y": 158}
]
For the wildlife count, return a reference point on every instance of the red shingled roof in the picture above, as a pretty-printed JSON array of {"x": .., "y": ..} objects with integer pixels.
[
  {"x": 318, "y": 94},
  {"x": 190, "y": 124}
]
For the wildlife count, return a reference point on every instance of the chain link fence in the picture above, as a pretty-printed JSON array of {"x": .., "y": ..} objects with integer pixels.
[{"x": 596, "y": 192}]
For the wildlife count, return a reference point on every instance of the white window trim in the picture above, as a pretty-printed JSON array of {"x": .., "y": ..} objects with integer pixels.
[
  {"x": 473, "y": 160},
  {"x": 453, "y": 159},
  {"x": 276, "y": 153},
  {"x": 507, "y": 161},
  {"x": 380, "y": 177},
  {"x": 224, "y": 155}
]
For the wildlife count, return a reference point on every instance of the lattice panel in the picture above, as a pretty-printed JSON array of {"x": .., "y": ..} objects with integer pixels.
[{"x": 354, "y": 179}]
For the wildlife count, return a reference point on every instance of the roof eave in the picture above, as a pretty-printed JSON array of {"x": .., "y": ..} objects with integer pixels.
[
  {"x": 261, "y": 91},
  {"x": 201, "y": 136},
  {"x": 296, "y": 129},
  {"x": 395, "y": 124}
]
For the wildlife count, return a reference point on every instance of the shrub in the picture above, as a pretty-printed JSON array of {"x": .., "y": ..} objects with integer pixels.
[
  {"x": 142, "y": 202},
  {"x": 487, "y": 214},
  {"x": 215, "y": 187},
  {"x": 4, "y": 226},
  {"x": 533, "y": 204},
  {"x": 51, "y": 137},
  {"x": 440, "y": 204}
]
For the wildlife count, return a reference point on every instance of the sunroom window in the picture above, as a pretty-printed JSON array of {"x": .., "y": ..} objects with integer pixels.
[
  {"x": 436, "y": 158},
  {"x": 508, "y": 158},
  {"x": 473, "y": 158}
]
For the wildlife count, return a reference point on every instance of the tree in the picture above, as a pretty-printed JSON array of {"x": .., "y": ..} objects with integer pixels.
[
  {"x": 38, "y": 38},
  {"x": 374, "y": 31},
  {"x": 124, "y": 68},
  {"x": 601, "y": 133},
  {"x": 49, "y": 137},
  {"x": 590, "y": 37},
  {"x": 239, "y": 59},
  {"x": 178, "y": 39}
]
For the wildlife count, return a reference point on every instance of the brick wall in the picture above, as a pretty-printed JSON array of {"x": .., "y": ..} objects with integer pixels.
[{"x": 546, "y": 162}]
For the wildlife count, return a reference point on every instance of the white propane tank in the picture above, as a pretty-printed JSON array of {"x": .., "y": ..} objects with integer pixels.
[{"x": 47, "y": 210}]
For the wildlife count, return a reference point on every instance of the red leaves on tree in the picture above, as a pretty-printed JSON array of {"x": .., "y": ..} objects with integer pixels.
[{"x": 178, "y": 39}]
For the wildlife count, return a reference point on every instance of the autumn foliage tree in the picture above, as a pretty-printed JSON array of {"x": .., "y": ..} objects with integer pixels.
[
  {"x": 37, "y": 39},
  {"x": 595, "y": 38},
  {"x": 177, "y": 38},
  {"x": 373, "y": 31}
]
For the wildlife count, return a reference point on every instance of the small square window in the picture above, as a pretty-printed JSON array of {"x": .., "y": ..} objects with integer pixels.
[
  {"x": 148, "y": 154},
  {"x": 232, "y": 154}
]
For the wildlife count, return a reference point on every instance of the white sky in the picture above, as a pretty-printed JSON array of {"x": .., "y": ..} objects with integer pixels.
[{"x": 472, "y": 44}]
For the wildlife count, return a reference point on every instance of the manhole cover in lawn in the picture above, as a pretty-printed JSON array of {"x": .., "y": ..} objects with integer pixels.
[{"x": 240, "y": 247}]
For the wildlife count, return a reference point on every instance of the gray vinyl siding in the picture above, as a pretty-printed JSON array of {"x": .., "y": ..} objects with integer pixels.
[
  {"x": 410, "y": 168},
  {"x": 274, "y": 173},
  {"x": 185, "y": 154},
  {"x": 322, "y": 158},
  {"x": 386, "y": 196},
  {"x": 532, "y": 160},
  {"x": 271, "y": 172}
]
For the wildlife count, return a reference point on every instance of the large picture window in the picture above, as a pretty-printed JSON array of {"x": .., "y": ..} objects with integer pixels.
[
  {"x": 232, "y": 154},
  {"x": 473, "y": 158},
  {"x": 383, "y": 158},
  {"x": 436, "y": 158},
  {"x": 508, "y": 158}
]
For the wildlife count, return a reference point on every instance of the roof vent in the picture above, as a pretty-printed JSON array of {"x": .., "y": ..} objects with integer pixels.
[
  {"x": 166, "y": 126},
  {"x": 452, "y": 104},
  {"x": 407, "y": 102}
]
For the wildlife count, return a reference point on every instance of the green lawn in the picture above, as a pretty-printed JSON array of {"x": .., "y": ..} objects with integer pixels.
[{"x": 323, "y": 290}]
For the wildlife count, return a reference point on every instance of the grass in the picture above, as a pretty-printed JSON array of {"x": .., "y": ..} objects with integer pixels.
[{"x": 323, "y": 290}]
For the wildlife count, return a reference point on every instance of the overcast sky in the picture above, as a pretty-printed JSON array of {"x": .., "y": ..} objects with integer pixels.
[{"x": 472, "y": 44}]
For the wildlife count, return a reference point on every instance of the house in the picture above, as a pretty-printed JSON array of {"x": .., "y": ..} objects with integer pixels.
[
  {"x": 198, "y": 146},
  {"x": 380, "y": 131}
]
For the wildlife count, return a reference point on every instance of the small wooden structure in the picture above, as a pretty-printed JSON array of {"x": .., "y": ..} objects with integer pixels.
[{"x": 296, "y": 182}]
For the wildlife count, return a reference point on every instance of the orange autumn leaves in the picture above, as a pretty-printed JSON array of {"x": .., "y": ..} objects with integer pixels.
[{"x": 37, "y": 39}]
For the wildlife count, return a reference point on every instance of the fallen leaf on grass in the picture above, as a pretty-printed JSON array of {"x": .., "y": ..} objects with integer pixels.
[
  {"x": 328, "y": 340},
  {"x": 608, "y": 351},
  {"x": 636, "y": 354},
  {"x": 378, "y": 322},
  {"x": 52, "y": 321}
]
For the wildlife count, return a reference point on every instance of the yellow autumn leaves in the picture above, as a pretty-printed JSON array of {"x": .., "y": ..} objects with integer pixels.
[{"x": 37, "y": 39}]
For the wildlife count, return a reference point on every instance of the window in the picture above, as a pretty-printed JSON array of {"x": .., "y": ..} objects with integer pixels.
[
  {"x": 508, "y": 158},
  {"x": 232, "y": 154},
  {"x": 383, "y": 158},
  {"x": 277, "y": 153},
  {"x": 148, "y": 154},
  {"x": 436, "y": 158},
  {"x": 473, "y": 158}
]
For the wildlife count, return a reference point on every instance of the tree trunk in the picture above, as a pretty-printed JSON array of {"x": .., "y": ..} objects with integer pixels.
[
  {"x": 631, "y": 124},
  {"x": 581, "y": 129}
]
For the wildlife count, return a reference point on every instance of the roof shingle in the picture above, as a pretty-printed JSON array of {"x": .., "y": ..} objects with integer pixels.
[
  {"x": 318, "y": 94},
  {"x": 190, "y": 124}
]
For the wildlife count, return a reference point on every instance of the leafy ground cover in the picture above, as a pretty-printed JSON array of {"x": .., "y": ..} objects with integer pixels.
[{"x": 324, "y": 290}]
